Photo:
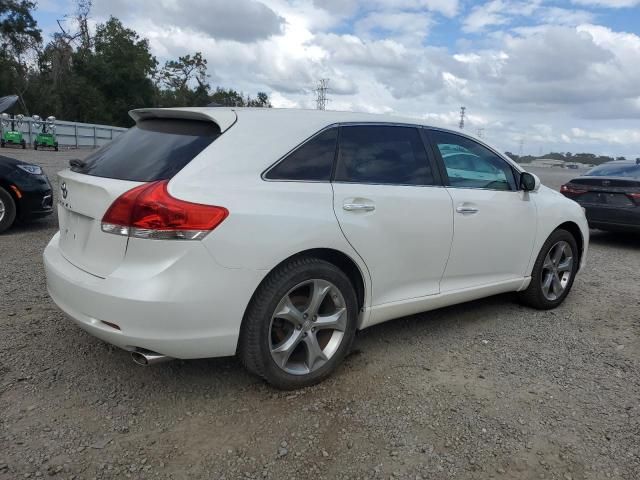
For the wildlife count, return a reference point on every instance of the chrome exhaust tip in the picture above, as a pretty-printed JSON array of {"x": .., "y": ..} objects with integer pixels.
[{"x": 147, "y": 357}]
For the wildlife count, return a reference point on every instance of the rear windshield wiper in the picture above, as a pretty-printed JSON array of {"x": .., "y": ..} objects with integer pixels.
[{"x": 77, "y": 163}]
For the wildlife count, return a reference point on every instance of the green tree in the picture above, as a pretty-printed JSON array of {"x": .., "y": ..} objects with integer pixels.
[
  {"x": 19, "y": 34},
  {"x": 120, "y": 68},
  {"x": 183, "y": 82}
]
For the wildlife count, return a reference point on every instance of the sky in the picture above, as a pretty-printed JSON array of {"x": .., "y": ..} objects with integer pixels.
[{"x": 534, "y": 75}]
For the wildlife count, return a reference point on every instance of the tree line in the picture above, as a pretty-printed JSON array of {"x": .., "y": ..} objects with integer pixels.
[
  {"x": 586, "y": 158},
  {"x": 98, "y": 76}
]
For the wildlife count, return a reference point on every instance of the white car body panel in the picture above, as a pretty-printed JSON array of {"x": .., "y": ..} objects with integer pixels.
[
  {"x": 186, "y": 299},
  {"x": 482, "y": 255},
  {"x": 420, "y": 218}
]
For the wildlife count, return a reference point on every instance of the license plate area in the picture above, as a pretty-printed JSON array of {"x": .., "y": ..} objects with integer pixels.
[{"x": 606, "y": 198}]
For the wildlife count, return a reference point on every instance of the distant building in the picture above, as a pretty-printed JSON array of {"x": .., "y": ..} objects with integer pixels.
[{"x": 548, "y": 162}]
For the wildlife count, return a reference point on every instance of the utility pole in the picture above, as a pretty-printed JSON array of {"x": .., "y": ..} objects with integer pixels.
[
  {"x": 462, "y": 111},
  {"x": 321, "y": 94},
  {"x": 521, "y": 146},
  {"x": 480, "y": 132}
]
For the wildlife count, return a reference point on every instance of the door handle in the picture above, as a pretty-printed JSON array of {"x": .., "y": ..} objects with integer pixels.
[
  {"x": 464, "y": 209},
  {"x": 358, "y": 207}
]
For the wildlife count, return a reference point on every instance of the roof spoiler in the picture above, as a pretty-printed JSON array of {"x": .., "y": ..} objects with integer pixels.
[{"x": 224, "y": 118}]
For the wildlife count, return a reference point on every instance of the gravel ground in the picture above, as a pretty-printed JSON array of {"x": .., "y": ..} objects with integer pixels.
[{"x": 487, "y": 389}]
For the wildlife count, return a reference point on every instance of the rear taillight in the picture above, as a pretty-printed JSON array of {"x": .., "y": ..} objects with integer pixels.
[
  {"x": 635, "y": 197},
  {"x": 568, "y": 190},
  {"x": 148, "y": 211}
]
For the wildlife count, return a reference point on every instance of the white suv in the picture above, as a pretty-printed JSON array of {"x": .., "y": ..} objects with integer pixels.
[{"x": 276, "y": 234}]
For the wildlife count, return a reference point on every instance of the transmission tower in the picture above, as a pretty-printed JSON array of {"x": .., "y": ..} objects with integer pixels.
[
  {"x": 480, "y": 132},
  {"x": 321, "y": 94},
  {"x": 462, "y": 112}
]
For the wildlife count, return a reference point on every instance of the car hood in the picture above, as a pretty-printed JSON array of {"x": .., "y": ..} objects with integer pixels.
[{"x": 12, "y": 162}]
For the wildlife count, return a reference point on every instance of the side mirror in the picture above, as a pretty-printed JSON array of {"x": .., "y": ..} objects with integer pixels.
[{"x": 529, "y": 182}]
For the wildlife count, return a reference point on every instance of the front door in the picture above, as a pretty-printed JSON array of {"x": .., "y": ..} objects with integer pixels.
[{"x": 494, "y": 221}]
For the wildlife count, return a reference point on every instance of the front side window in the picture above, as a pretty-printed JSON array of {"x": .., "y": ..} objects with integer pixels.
[
  {"x": 312, "y": 161},
  {"x": 380, "y": 154},
  {"x": 470, "y": 165}
]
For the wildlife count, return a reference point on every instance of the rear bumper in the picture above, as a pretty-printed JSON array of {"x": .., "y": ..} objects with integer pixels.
[
  {"x": 184, "y": 307},
  {"x": 610, "y": 218}
]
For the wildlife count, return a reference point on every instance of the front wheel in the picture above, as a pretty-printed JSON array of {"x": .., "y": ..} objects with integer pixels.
[
  {"x": 300, "y": 324},
  {"x": 7, "y": 210},
  {"x": 553, "y": 272}
]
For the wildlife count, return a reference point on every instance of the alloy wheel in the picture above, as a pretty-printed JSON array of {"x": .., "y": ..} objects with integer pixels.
[
  {"x": 307, "y": 327},
  {"x": 2, "y": 210},
  {"x": 557, "y": 270}
]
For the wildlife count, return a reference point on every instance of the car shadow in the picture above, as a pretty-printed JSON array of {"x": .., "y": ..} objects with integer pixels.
[
  {"x": 627, "y": 240},
  {"x": 36, "y": 225},
  {"x": 227, "y": 375}
]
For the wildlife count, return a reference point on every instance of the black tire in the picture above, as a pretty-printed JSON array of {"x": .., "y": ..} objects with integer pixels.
[
  {"x": 2, "y": 144},
  {"x": 534, "y": 295},
  {"x": 55, "y": 147},
  {"x": 35, "y": 145},
  {"x": 9, "y": 215},
  {"x": 254, "y": 347},
  {"x": 24, "y": 144}
]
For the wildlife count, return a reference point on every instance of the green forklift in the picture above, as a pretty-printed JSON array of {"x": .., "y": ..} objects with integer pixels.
[
  {"x": 11, "y": 124},
  {"x": 46, "y": 133}
]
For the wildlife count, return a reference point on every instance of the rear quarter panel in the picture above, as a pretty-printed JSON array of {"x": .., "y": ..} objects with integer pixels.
[{"x": 269, "y": 221}]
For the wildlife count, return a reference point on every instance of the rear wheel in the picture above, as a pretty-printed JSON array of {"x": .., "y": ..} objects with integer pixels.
[
  {"x": 35, "y": 145},
  {"x": 553, "y": 272},
  {"x": 300, "y": 324},
  {"x": 24, "y": 144},
  {"x": 7, "y": 210}
]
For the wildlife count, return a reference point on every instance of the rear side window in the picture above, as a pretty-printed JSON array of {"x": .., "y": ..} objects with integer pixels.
[
  {"x": 312, "y": 161},
  {"x": 154, "y": 149},
  {"x": 383, "y": 155}
]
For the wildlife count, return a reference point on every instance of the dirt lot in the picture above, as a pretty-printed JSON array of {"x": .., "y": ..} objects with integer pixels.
[{"x": 482, "y": 390}]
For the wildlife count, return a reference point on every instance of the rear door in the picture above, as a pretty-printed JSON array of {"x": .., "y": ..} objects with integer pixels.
[
  {"x": 494, "y": 222},
  {"x": 392, "y": 209},
  {"x": 155, "y": 149}
]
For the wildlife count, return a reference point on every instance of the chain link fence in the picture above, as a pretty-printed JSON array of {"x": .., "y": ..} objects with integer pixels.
[{"x": 74, "y": 134}]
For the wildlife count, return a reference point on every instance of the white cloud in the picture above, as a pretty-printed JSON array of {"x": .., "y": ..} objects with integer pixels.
[
  {"x": 557, "y": 74},
  {"x": 488, "y": 15},
  {"x": 608, "y": 3}
]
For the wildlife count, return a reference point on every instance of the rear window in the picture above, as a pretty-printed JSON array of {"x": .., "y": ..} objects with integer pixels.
[
  {"x": 154, "y": 149},
  {"x": 616, "y": 170}
]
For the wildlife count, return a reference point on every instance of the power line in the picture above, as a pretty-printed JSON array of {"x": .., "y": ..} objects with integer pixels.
[
  {"x": 321, "y": 94},
  {"x": 462, "y": 112}
]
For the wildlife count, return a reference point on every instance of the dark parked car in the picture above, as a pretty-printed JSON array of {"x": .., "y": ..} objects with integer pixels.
[
  {"x": 610, "y": 195},
  {"x": 25, "y": 192}
]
